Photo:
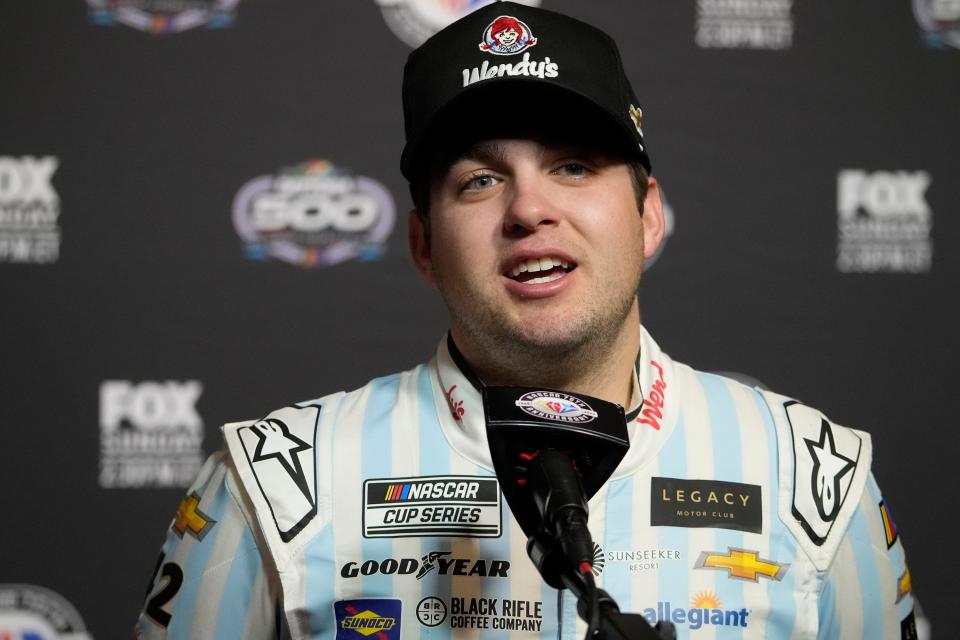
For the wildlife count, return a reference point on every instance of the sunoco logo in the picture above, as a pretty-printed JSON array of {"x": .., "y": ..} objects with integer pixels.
[
  {"x": 883, "y": 222},
  {"x": 314, "y": 215},
  {"x": 150, "y": 433},
  {"x": 29, "y": 210},
  {"x": 413, "y": 21},
  {"x": 744, "y": 24},
  {"x": 163, "y": 16},
  {"x": 440, "y": 562},
  {"x": 554, "y": 405},
  {"x": 940, "y": 20},
  {"x": 365, "y": 617}
]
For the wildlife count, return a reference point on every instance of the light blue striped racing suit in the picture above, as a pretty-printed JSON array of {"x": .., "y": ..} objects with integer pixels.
[{"x": 736, "y": 513}]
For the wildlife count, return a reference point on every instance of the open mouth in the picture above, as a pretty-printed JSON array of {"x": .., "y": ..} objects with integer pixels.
[{"x": 540, "y": 270}]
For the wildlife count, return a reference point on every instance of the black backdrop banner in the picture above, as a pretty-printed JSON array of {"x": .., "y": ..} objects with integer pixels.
[{"x": 202, "y": 218}]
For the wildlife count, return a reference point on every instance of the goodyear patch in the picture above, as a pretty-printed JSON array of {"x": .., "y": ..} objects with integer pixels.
[
  {"x": 456, "y": 506},
  {"x": 374, "y": 618}
]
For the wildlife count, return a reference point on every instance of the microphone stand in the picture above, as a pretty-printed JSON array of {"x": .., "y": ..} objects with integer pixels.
[
  {"x": 562, "y": 543},
  {"x": 548, "y": 558},
  {"x": 551, "y": 450}
]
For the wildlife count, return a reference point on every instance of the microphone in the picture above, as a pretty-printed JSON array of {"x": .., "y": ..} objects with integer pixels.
[
  {"x": 557, "y": 491},
  {"x": 552, "y": 451}
]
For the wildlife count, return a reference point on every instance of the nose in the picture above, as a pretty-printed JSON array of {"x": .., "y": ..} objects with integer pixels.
[{"x": 529, "y": 206}]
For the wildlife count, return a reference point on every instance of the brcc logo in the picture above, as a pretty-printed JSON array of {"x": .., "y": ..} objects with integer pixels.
[
  {"x": 163, "y": 16},
  {"x": 940, "y": 19},
  {"x": 554, "y": 405},
  {"x": 413, "y": 21},
  {"x": 506, "y": 36},
  {"x": 314, "y": 215}
]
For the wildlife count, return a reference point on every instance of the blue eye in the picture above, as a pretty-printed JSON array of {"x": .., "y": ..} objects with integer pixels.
[
  {"x": 479, "y": 183},
  {"x": 573, "y": 169}
]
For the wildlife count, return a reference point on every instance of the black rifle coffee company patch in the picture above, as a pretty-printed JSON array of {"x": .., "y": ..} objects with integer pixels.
[{"x": 675, "y": 502}]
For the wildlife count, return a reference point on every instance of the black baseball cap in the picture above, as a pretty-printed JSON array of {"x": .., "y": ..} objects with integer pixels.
[{"x": 509, "y": 60}]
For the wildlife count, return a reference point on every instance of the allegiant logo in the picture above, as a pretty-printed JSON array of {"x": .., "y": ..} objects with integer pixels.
[{"x": 705, "y": 609}]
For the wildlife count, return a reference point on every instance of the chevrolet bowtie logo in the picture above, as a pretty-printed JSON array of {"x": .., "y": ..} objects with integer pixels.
[
  {"x": 191, "y": 520},
  {"x": 904, "y": 584},
  {"x": 742, "y": 565}
]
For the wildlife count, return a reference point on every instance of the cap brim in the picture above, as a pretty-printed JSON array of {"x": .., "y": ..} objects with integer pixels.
[{"x": 516, "y": 107}]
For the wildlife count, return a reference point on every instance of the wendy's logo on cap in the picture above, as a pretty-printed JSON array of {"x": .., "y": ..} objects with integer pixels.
[{"x": 506, "y": 36}]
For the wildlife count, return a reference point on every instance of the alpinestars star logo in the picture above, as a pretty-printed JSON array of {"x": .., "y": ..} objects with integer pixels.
[
  {"x": 280, "y": 450},
  {"x": 276, "y": 441},
  {"x": 826, "y": 468},
  {"x": 829, "y": 467}
]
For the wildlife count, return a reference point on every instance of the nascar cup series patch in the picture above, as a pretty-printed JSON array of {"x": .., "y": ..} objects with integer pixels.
[{"x": 455, "y": 506}]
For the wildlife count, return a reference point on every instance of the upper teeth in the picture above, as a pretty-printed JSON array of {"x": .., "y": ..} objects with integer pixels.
[{"x": 539, "y": 264}]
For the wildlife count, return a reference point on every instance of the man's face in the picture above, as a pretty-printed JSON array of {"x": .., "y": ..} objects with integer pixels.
[
  {"x": 507, "y": 37},
  {"x": 534, "y": 245}
]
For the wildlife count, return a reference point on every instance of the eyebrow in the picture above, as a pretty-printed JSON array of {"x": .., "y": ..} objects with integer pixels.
[{"x": 486, "y": 151}]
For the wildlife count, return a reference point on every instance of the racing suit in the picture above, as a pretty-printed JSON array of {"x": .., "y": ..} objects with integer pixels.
[{"x": 735, "y": 513}]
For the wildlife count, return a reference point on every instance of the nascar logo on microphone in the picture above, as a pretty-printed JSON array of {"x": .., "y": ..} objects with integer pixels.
[
  {"x": 455, "y": 506},
  {"x": 554, "y": 405}
]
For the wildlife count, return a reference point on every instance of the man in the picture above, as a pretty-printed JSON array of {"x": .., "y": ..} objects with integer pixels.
[{"x": 735, "y": 511}]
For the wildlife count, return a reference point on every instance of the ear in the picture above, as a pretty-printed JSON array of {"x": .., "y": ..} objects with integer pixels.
[
  {"x": 654, "y": 225},
  {"x": 420, "y": 247}
]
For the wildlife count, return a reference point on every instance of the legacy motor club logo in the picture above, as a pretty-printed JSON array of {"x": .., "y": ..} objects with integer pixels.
[
  {"x": 29, "y": 210},
  {"x": 678, "y": 502},
  {"x": 744, "y": 24},
  {"x": 557, "y": 406},
  {"x": 883, "y": 222},
  {"x": 940, "y": 20},
  {"x": 506, "y": 36},
  {"x": 37, "y": 613},
  {"x": 163, "y": 16},
  {"x": 314, "y": 215},
  {"x": 413, "y": 21},
  {"x": 150, "y": 433}
]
